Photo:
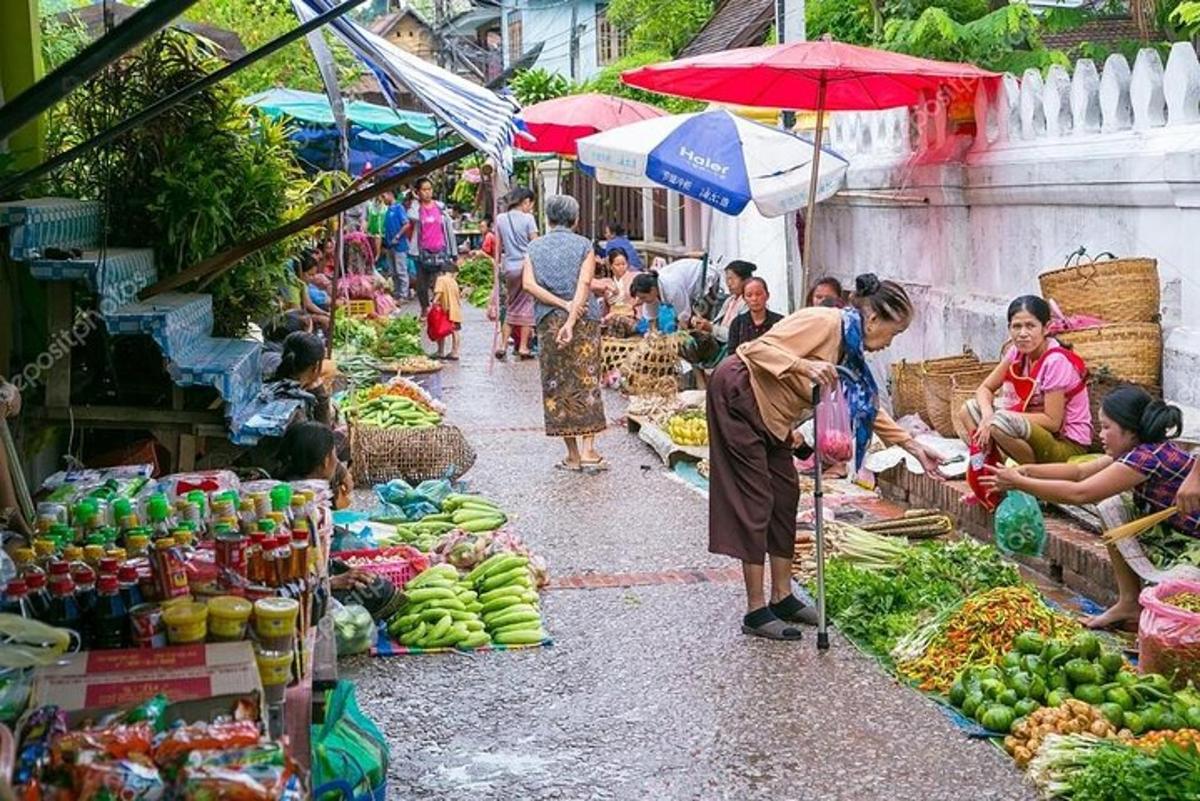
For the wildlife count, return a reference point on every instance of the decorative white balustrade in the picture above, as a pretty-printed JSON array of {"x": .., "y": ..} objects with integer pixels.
[{"x": 1056, "y": 106}]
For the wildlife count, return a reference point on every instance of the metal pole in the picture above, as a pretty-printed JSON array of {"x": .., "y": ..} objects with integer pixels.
[
  {"x": 173, "y": 99},
  {"x": 89, "y": 61},
  {"x": 819, "y": 526},
  {"x": 806, "y": 259}
]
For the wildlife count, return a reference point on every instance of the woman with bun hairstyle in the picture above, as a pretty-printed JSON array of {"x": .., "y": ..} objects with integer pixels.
[
  {"x": 1034, "y": 406},
  {"x": 755, "y": 401},
  {"x": 1136, "y": 432},
  {"x": 299, "y": 375}
]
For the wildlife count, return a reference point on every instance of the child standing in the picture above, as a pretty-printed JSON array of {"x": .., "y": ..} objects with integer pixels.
[{"x": 447, "y": 297}]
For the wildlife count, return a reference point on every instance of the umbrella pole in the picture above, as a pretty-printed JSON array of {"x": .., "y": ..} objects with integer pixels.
[{"x": 805, "y": 264}]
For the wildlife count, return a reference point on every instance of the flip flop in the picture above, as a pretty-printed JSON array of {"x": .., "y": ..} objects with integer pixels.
[
  {"x": 773, "y": 630},
  {"x": 451, "y": 358},
  {"x": 593, "y": 465},
  {"x": 525, "y": 356},
  {"x": 568, "y": 467},
  {"x": 500, "y": 355},
  {"x": 806, "y": 614}
]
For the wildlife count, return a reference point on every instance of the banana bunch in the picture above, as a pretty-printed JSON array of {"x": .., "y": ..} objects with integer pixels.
[
  {"x": 440, "y": 611},
  {"x": 688, "y": 428},
  {"x": 508, "y": 600}
]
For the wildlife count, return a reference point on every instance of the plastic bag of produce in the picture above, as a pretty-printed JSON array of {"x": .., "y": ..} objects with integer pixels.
[
  {"x": 835, "y": 440},
  {"x": 1169, "y": 631},
  {"x": 1020, "y": 526},
  {"x": 401, "y": 499},
  {"x": 354, "y": 629},
  {"x": 347, "y": 749}
]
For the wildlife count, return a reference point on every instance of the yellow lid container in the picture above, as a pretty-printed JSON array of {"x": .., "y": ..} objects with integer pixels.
[
  {"x": 227, "y": 618},
  {"x": 186, "y": 622},
  {"x": 274, "y": 667},
  {"x": 117, "y": 553},
  {"x": 92, "y": 554},
  {"x": 73, "y": 553},
  {"x": 276, "y": 617},
  {"x": 45, "y": 547}
]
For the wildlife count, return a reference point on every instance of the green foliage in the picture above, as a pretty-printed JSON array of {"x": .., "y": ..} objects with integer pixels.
[
  {"x": 608, "y": 81},
  {"x": 1187, "y": 16},
  {"x": 61, "y": 40},
  {"x": 258, "y": 22},
  {"x": 848, "y": 21},
  {"x": 1007, "y": 39},
  {"x": 191, "y": 183},
  {"x": 537, "y": 85},
  {"x": 661, "y": 25}
]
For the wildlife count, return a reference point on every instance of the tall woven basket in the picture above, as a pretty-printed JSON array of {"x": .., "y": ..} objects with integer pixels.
[
  {"x": 1124, "y": 352},
  {"x": 648, "y": 365},
  {"x": 908, "y": 382},
  {"x": 1114, "y": 290},
  {"x": 961, "y": 390},
  {"x": 414, "y": 454},
  {"x": 938, "y": 390}
]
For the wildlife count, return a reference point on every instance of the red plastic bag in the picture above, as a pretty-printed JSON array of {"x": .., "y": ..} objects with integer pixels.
[
  {"x": 1168, "y": 636},
  {"x": 977, "y": 463},
  {"x": 438, "y": 325},
  {"x": 835, "y": 439}
]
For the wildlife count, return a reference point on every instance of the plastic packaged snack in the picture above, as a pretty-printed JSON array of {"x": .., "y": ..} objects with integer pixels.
[
  {"x": 116, "y": 741},
  {"x": 178, "y": 743},
  {"x": 123, "y": 779}
]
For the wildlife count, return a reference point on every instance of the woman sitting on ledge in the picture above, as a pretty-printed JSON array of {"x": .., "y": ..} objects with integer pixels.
[
  {"x": 1136, "y": 432},
  {"x": 1034, "y": 406}
]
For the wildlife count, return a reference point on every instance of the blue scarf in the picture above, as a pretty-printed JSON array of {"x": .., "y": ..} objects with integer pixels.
[{"x": 862, "y": 396}]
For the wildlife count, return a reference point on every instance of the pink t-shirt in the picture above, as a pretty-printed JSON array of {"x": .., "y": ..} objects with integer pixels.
[
  {"x": 433, "y": 236},
  {"x": 1059, "y": 375}
]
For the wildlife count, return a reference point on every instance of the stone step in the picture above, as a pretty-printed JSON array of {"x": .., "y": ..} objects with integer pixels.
[
  {"x": 115, "y": 274},
  {"x": 1074, "y": 554},
  {"x": 40, "y": 223}
]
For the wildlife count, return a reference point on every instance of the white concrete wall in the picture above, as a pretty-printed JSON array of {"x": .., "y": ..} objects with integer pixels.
[
  {"x": 1108, "y": 158},
  {"x": 549, "y": 21}
]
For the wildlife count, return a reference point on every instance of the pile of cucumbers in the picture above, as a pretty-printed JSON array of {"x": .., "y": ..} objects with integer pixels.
[
  {"x": 469, "y": 513},
  {"x": 495, "y": 603},
  {"x": 395, "y": 411}
]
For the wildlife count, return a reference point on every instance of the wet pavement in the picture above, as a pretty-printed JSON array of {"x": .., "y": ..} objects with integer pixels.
[{"x": 651, "y": 691}]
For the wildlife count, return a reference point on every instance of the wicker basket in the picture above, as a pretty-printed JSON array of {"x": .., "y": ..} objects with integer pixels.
[
  {"x": 938, "y": 384},
  {"x": 1124, "y": 352},
  {"x": 648, "y": 366},
  {"x": 379, "y": 455},
  {"x": 961, "y": 391},
  {"x": 1114, "y": 290},
  {"x": 908, "y": 386}
]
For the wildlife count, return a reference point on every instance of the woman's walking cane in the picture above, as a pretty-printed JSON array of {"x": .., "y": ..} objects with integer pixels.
[{"x": 819, "y": 526}]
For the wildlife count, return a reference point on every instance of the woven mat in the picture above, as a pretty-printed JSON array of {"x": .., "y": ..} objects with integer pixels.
[{"x": 385, "y": 645}]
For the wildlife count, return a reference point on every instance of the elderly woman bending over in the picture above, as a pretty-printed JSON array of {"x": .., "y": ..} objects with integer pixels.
[{"x": 558, "y": 274}]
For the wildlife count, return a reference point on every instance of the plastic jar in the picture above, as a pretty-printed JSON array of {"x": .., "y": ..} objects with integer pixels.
[
  {"x": 186, "y": 621},
  {"x": 276, "y": 617},
  {"x": 227, "y": 618}
]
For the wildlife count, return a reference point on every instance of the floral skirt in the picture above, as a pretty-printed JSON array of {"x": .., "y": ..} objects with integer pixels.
[{"x": 571, "y": 378}]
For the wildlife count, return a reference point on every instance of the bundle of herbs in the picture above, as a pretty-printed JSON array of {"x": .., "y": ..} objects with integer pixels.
[
  {"x": 877, "y": 602},
  {"x": 1082, "y": 767}
]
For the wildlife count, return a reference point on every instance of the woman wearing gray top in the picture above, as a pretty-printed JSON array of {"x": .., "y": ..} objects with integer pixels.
[
  {"x": 558, "y": 274},
  {"x": 515, "y": 229}
]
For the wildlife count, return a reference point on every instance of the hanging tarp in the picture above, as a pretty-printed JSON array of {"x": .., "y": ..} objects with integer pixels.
[
  {"x": 313, "y": 108},
  {"x": 317, "y": 147},
  {"x": 479, "y": 115}
]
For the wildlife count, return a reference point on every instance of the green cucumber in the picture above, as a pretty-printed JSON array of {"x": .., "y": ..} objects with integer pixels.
[
  {"x": 414, "y": 635},
  {"x": 428, "y": 594},
  {"x": 484, "y": 566},
  {"x": 500, "y": 621},
  {"x": 522, "y": 637},
  {"x": 504, "y": 601},
  {"x": 477, "y": 639},
  {"x": 502, "y": 592},
  {"x": 511, "y": 561}
]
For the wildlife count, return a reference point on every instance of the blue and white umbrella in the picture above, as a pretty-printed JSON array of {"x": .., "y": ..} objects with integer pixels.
[{"x": 717, "y": 158}]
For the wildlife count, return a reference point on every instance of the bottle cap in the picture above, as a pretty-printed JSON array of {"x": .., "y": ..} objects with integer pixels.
[
  {"x": 35, "y": 580},
  {"x": 16, "y": 587},
  {"x": 164, "y": 543},
  {"x": 122, "y": 508},
  {"x": 44, "y": 547},
  {"x": 73, "y": 553},
  {"x": 108, "y": 584},
  {"x": 58, "y": 568},
  {"x": 83, "y": 575},
  {"x": 300, "y": 534},
  {"x": 156, "y": 508},
  {"x": 117, "y": 553},
  {"x": 62, "y": 585},
  {"x": 93, "y": 553},
  {"x": 109, "y": 565},
  {"x": 23, "y": 555},
  {"x": 267, "y": 526}
]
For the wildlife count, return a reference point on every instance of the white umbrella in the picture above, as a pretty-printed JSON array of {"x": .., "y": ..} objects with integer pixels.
[{"x": 715, "y": 157}]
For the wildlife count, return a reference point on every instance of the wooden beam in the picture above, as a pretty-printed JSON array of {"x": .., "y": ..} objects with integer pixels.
[
  {"x": 89, "y": 61},
  {"x": 213, "y": 267}
]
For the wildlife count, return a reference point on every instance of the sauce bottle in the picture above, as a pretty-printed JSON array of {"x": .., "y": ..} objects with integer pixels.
[
  {"x": 300, "y": 550},
  {"x": 92, "y": 554},
  {"x": 108, "y": 566},
  {"x": 39, "y": 596},
  {"x": 129, "y": 586},
  {"x": 137, "y": 545},
  {"x": 85, "y": 589},
  {"x": 254, "y": 557},
  {"x": 159, "y": 514},
  {"x": 110, "y": 617},
  {"x": 283, "y": 560},
  {"x": 16, "y": 599},
  {"x": 64, "y": 610}
]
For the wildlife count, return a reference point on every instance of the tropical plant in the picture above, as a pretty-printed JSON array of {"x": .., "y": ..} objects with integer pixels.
[
  {"x": 1187, "y": 16},
  {"x": 196, "y": 180},
  {"x": 608, "y": 81},
  {"x": 660, "y": 25},
  {"x": 1007, "y": 39},
  {"x": 538, "y": 84}
]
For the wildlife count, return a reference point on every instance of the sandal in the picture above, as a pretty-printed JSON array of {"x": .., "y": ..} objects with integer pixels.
[
  {"x": 793, "y": 610},
  {"x": 774, "y": 629},
  {"x": 593, "y": 465},
  {"x": 525, "y": 356},
  {"x": 500, "y": 355},
  {"x": 568, "y": 467}
]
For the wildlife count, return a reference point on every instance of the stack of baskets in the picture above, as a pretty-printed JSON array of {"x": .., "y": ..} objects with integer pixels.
[
  {"x": 1124, "y": 293},
  {"x": 936, "y": 388},
  {"x": 648, "y": 365}
]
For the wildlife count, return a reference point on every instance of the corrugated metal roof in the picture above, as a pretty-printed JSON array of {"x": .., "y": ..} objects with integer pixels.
[{"x": 734, "y": 23}]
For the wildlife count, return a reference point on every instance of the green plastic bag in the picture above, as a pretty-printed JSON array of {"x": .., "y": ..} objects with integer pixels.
[
  {"x": 348, "y": 749},
  {"x": 1020, "y": 526}
]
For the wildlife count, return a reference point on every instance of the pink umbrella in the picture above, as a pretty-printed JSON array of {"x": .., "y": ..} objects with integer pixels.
[
  {"x": 557, "y": 124},
  {"x": 822, "y": 75}
]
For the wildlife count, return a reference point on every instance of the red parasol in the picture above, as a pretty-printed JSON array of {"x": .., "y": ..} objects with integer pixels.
[
  {"x": 557, "y": 124},
  {"x": 820, "y": 76}
]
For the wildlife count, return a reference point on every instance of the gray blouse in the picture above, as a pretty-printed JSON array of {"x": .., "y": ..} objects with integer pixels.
[{"x": 557, "y": 260}]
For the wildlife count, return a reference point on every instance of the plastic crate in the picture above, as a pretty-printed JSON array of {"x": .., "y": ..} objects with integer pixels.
[
  {"x": 362, "y": 308},
  {"x": 397, "y": 565}
]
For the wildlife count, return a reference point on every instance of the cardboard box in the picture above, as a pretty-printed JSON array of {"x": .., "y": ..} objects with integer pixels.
[{"x": 201, "y": 681}]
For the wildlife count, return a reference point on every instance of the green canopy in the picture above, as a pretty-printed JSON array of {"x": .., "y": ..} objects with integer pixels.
[{"x": 311, "y": 107}]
